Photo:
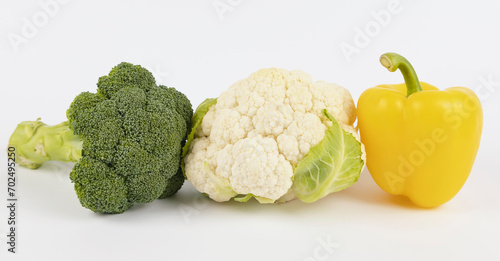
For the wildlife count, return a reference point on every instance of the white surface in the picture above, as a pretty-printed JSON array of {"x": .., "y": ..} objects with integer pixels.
[{"x": 188, "y": 46}]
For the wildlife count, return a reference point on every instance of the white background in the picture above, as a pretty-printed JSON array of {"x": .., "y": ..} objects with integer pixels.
[{"x": 189, "y": 45}]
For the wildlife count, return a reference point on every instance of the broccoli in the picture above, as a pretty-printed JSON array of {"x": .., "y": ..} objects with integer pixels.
[{"x": 126, "y": 140}]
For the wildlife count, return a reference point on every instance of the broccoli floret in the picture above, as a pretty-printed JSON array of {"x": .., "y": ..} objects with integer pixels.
[
  {"x": 131, "y": 134},
  {"x": 175, "y": 183},
  {"x": 125, "y": 75},
  {"x": 99, "y": 187}
]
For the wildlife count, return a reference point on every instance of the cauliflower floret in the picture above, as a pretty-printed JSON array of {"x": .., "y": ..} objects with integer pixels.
[
  {"x": 259, "y": 168},
  {"x": 260, "y": 128}
]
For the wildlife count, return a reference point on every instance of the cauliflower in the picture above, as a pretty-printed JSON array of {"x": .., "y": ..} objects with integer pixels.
[{"x": 274, "y": 136}]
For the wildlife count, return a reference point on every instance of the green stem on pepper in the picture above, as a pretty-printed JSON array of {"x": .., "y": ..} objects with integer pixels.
[{"x": 394, "y": 61}]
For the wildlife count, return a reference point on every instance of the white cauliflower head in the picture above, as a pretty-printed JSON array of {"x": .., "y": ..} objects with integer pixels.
[{"x": 252, "y": 139}]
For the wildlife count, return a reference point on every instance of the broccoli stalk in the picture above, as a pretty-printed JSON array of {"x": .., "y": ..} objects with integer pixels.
[
  {"x": 126, "y": 140},
  {"x": 36, "y": 143}
]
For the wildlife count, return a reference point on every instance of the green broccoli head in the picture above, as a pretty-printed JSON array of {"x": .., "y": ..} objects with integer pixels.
[{"x": 132, "y": 132}]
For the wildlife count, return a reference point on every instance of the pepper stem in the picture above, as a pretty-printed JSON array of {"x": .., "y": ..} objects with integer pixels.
[{"x": 394, "y": 61}]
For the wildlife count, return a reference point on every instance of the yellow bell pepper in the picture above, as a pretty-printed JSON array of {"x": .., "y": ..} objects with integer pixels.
[{"x": 420, "y": 142}]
